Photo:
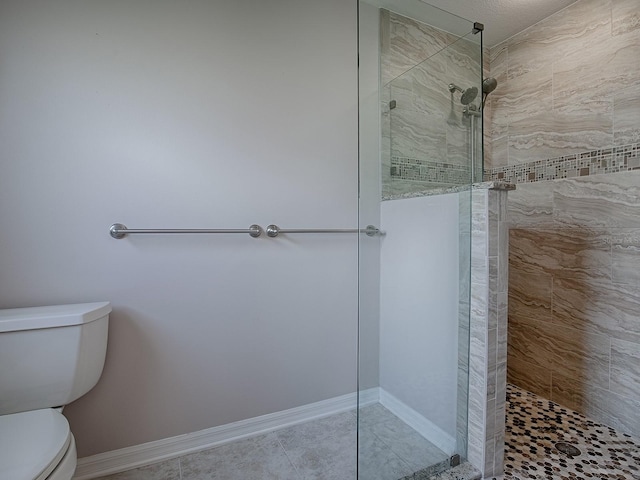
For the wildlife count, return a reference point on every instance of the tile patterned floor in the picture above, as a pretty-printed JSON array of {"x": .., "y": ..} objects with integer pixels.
[
  {"x": 323, "y": 449},
  {"x": 535, "y": 425}
]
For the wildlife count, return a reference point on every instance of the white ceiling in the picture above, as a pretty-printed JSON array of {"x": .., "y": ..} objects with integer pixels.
[{"x": 502, "y": 18}]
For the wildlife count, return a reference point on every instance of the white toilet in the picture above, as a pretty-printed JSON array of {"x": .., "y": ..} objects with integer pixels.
[{"x": 49, "y": 356}]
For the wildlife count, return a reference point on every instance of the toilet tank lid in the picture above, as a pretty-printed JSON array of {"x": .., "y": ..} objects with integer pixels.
[{"x": 32, "y": 318}]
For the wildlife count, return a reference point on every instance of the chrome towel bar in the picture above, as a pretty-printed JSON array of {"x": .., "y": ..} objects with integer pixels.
[
  {"x": 370, "y": 230},
  {"x": 118, "y": 230}
]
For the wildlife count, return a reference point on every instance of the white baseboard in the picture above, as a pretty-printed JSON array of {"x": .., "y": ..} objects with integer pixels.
[
  {"x": 152, "y": 452},
  {"x": 424, "y": 427}
]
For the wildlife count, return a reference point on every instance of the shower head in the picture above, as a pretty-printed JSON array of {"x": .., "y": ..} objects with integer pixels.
[
  {"x": 489, "y": 85},
  {"x": 468, "y": 95}
]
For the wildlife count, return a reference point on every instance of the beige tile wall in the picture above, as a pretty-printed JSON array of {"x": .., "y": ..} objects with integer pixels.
[
  {"x": 574, "y": 294},
  {"x": 569, "y": 84}
]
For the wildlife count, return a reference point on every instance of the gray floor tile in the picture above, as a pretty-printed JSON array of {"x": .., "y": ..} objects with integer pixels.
[
  {"x": 323, "y": 449},
  {"x": 256, "y": 458},
  {"x": 316, "y": 431},
  {"x": 333, "y": 458},
  {"x": 372, "y": 414},
  {"x": 407, "y": 443},
  {"x": 169, "y": 470},
  {"x": 377, "y": 462}
]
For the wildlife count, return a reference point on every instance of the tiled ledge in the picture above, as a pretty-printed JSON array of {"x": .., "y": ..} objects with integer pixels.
[{"x": 488, "y": 185}]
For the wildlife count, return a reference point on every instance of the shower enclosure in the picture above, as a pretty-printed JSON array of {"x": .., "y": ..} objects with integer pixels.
[{"x": 420, "y": 78}]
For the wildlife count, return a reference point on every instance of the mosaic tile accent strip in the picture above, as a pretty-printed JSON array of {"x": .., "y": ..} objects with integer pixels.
[
  {"x": 425, "y": 171},
  {"x": 607, "y": 160},
  {"x": 534, "y": 427}
]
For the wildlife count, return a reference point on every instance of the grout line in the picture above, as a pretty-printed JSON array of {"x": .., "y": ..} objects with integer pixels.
[
  {"x": 610, "y": 362},
  {"x": 286, "y": 454}
]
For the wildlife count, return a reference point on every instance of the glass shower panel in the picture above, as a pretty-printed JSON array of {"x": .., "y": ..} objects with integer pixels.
[
  {"x": 432, "y": 123},
  {"x": 420, "y": 151}
]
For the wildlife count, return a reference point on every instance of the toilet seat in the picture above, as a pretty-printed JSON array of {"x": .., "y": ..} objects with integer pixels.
[{"x": 34, "y": 444}]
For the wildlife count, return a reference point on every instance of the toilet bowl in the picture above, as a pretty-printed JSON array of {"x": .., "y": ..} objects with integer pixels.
[
  {"x": 36, "y": 445},
  {"x": 49, "y": 356}
]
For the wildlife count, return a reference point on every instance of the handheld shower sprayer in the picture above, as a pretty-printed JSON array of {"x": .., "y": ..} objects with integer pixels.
[{"x": 488, "y": 86}]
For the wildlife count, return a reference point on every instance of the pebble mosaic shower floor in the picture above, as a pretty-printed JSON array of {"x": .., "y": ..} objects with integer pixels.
[{"x": 535, "y": 426}]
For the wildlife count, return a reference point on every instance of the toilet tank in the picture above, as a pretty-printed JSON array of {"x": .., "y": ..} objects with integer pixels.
[{"x": 50, "y": 356}]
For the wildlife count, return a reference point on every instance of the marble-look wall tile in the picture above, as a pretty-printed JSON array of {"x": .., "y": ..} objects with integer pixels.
[
  {"x": 584, "y": 353},
  {"x": 491, "y": 380},
  {"x": 562, "y": 251},
  {"x": 501, "y": 395},
  {"x": 570, "y": 352},
  {"x": 585, "y": 23},
  {"x": 498, "y": 63},
  {"x": 598, "y": 201},
  {"x": 487, "y": 382},
  {"x": 625, "y": 256},
  {"x": 457, "y": 140},
  {"x": 479, "y": 239},
  {"x": 489, "y": 445},
  {"x": 625, "y": 16},
  {"x": 499, "y": 119},
  {"x": 462, "y": 415},
  {"x": 555, "y": 133},
  {"x": 475, "y": 453},
  {"x": 564, "y": 82},
  {"x": 530, "y": 295},
  {"x": 570, "y": 392},
  {"x": 626, "y": 115},
  {"x": 625, "y": 368},
  {"x": 428, "y": 85},
  {"x": 600, "y": 404},
  {"x": 486, "y": 142},
  {"x": 497, "y": 277},
  {"x": 619, "y": 411},
  {"x": 499, "y": 152},
  {"x": 536, "y": 379},
  {"x": 606, "y": 68},
  {"x": 417, "y": 135},
  {"x": 531, "y": 206},
  {"x": 530, "y": 96},
  {"x": 410, "y": 43},
  {"x": 502, "y": 314},
  {"x": 597, "y": 307}
]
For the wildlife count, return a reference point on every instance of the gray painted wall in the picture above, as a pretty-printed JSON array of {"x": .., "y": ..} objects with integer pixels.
[{"x": 189, "y": 114}]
